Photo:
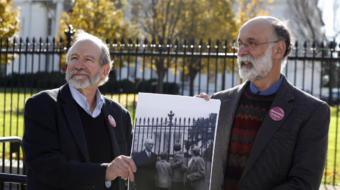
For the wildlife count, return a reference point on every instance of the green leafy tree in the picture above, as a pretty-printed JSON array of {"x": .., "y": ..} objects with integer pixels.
[{"x": 9, "y": 25}]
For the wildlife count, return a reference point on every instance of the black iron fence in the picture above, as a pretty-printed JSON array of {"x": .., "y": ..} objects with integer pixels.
[
  {"x": 163, "y": 66},
  {"x": 13, "y": 170}
]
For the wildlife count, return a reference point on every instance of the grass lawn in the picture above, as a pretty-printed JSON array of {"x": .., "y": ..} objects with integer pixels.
[
  {"x": 13, "y": 125},
  {"x": 332, "y": 169}
]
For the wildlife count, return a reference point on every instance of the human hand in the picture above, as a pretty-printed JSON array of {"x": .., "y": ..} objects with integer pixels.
[
  {"x": 203, "y": 95},
  {"x": 122, "y": 166}
]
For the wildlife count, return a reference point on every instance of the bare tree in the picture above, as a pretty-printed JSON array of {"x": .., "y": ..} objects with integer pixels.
[
  {"x": 334, "y": 65},
  {"x": 336, "y": 24},
  {"x": 306, "y": 20}
]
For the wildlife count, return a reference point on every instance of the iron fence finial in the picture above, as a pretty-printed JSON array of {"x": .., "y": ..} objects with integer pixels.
[
  {"x": 69, "y": 35},
  {"x": 145, "y": 41}
]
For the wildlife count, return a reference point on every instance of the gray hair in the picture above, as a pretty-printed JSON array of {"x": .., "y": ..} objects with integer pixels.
[
  {"x": 282, "y": 32},
  {"x": 148, "y": 141},
  {"x": 105, "y": 56}
]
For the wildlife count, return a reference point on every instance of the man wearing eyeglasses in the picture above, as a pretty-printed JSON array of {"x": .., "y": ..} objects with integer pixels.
[{"x": 270, "y": 134}]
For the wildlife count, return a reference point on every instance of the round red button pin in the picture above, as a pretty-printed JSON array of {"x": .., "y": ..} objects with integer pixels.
[
  {"x": 112, "y": 121},
  {"x": 276, "y": 113}
]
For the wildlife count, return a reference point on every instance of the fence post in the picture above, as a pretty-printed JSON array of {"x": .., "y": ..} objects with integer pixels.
[{"x": 69, "y": 35}]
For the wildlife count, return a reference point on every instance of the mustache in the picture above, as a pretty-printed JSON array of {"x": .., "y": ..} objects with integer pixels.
[
  {"x": 80, "y": 71},
  {"x": 246, "y": 58}
]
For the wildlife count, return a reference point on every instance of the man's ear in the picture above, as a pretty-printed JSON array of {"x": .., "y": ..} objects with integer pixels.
[
  {"x": 105, "y": 70},
  {"x": 279, "y": 50}
]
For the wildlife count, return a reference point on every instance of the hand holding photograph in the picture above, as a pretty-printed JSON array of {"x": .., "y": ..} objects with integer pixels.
[{"x": 173, "y": 142}]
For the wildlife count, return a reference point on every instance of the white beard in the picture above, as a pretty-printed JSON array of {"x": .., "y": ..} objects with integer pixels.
[
  {"x": 78, "y": 82},
  {"x": 260, "y": 67}
]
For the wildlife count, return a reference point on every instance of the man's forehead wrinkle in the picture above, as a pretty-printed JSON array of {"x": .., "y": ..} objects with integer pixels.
[
  {"x": 259, "y": 29},
  {"x": 88, "y": 50},
  {"x": 86, "y": 55}
]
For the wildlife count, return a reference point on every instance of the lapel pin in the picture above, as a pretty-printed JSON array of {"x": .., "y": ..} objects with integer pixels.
[
  {"x": 112, "y": 121},
  {"x": 276, "y": 113}
]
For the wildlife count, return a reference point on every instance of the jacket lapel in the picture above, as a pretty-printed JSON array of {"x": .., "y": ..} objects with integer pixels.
[
  {"x": 283, "y": 99},
  {"x": 108, "y": 110},
  {"x": 226, "y": 117},
  {"x": 74, "y": 121}
]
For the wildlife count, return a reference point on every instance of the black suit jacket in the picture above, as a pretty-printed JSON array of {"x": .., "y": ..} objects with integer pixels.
[
  {"x": 55, "y": 147},
  {"x": 146, "y": 170}
]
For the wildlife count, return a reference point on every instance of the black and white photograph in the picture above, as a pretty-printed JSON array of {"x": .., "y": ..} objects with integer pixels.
[{"x": 173, "y": 142}]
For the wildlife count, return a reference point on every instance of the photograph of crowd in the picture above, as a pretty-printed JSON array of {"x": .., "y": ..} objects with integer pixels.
[{"x": 173, "y": 151}]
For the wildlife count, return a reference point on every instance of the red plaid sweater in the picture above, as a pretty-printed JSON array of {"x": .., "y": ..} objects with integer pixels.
[{"x": 251, "y": 110}]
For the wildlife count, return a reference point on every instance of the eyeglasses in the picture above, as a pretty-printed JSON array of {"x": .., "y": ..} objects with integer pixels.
[{"x": 250, "y": 44}]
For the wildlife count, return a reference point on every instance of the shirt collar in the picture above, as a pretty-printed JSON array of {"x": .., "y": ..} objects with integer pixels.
[
  {"x": 271, "y": 90},
  {"x": 82, "y": 101}
]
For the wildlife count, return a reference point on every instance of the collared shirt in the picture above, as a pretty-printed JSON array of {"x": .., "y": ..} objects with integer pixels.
[
  {"x": 82, "y": 101},
  {"x": 190, "y": 161},
  {"x": 147, "y": 153},
  {"x": 271, "y": 90}
]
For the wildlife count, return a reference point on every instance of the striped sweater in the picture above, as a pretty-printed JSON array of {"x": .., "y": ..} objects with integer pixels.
[{"x": 250, "y": 113}]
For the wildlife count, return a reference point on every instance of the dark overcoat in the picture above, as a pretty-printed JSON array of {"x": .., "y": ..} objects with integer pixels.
[
  {"x": 146, "y": 170},
  {"x": 196, "y": 173},
  {"x": 55, "y": 148}
]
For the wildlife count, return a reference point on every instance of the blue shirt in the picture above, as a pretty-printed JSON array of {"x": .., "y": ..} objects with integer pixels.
[
  {"x": 82, "y": 101},
  {"x": 271, "y": 90}
]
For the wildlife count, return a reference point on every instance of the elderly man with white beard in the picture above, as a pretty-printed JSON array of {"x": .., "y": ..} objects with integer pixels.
[
  {"x": 74, "y": 137},
  {"x": 270, "y": 134}
]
